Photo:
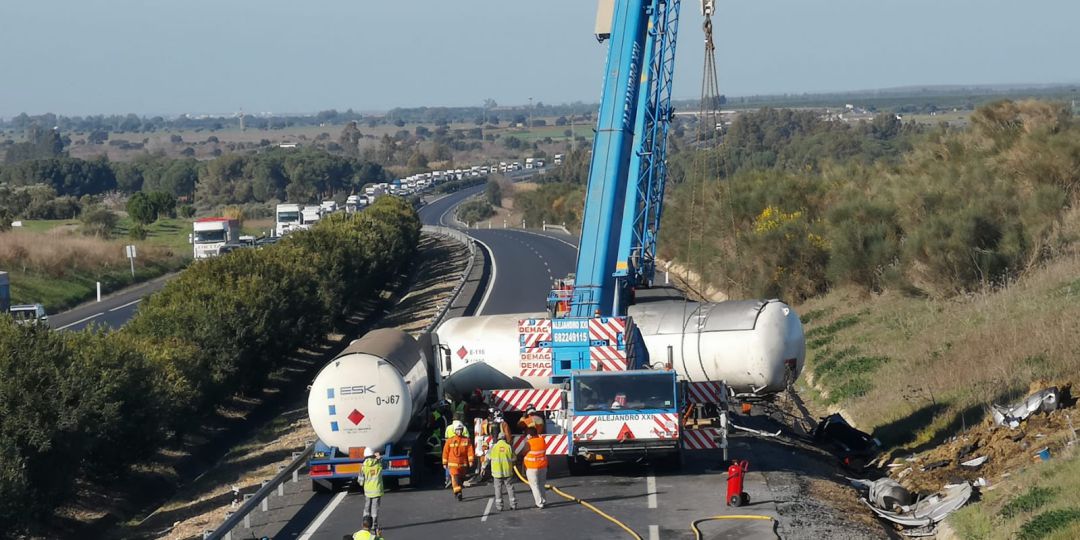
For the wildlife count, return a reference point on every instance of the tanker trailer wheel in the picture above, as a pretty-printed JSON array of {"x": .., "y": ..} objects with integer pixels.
[
  {"x": 745, "y": 499},
  {"x": 735, "y": 500}
]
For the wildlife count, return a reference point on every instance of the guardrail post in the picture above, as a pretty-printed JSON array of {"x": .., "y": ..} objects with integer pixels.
[
  {"x": 265, "y": 502},
  {"x": 228, "y": 534},
  {"x": 281, "y": 486},
  {"x": 296, "y": 472}
]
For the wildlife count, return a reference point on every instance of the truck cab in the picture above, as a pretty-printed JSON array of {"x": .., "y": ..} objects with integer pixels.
[
  {"x": 288, "y": 218},
  {"x": 623, "y": 415},
  {"x": 210, "y": 235}
]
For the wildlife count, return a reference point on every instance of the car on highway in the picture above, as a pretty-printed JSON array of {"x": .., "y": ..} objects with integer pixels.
[{"x": 29, "y": 314}]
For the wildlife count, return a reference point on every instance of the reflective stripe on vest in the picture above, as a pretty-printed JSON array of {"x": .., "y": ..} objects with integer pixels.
[
  {"x": 537, "y": 456},
  {"x": 502, "y": 460},
  {"x": 373, "y": 481}
]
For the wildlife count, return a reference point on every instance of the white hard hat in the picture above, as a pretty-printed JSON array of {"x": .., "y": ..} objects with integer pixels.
[{"x": 368, "y": 452}]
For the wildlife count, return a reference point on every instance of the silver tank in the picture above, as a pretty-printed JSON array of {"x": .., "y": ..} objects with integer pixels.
[
  {"x": 756, "y": 346},
  {"x": 367, "y": 395}
]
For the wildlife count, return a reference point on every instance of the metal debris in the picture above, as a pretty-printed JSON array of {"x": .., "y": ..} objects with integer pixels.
[{"x": 1044, "y": 400}]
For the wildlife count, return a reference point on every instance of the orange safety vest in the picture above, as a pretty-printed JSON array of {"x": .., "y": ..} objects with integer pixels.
[
  {"x": 458, "y": 452},
  {"x": 537, "y": 456},
  {"x": 534, "y": 421}
]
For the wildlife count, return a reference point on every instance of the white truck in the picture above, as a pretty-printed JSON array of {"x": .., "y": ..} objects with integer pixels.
[
  {"x": 328, "y": 207},
  {"x": 309, "y": 216},
  {"x": 210, "y": 234},
  {"x": 288, "y": 219},
  {"x": 529, "y": 162}
]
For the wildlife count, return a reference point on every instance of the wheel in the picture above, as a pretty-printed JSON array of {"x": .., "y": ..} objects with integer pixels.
[
  {"x": 577, "y": 466},
  {"x": 735, "y": 500},
  {"x": 745, "y": 499}
]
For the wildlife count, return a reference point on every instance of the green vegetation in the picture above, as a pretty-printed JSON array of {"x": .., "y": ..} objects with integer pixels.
[
  {"x": 89, "y": 404},
  {"x": 1039, "y": 502},
  {"x": 939, "y": 214},
  {"x": 474, "y": 211}
]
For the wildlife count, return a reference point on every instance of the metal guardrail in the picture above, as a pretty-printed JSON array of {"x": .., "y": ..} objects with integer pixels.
[
  {"x": 292, "y": 470},
  {"x": 468, "y": 241},
  {"x": 259, "y": 498}
]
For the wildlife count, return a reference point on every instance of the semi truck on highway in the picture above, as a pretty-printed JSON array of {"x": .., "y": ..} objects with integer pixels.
[
  {"x": 287, "y": 218},
  {"x": 211, "y": 234}
]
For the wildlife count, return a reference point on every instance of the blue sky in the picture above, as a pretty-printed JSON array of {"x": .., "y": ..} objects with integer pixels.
[{"x": 173, "y": 56}]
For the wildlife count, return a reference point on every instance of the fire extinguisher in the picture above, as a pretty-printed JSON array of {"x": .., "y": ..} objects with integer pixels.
[{"x": 736, "y": 473}]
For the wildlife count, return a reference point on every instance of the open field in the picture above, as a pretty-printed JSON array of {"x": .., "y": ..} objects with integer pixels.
[{"x": 53, "y": 264}]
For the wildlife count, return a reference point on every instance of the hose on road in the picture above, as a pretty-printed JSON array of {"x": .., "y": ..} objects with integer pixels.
[
  {"x": 584, "y": 503},
  {"x": 697, "y": 532}
]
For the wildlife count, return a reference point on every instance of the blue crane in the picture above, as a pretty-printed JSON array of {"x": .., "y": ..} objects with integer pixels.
[{"x": 625, "y": 193}]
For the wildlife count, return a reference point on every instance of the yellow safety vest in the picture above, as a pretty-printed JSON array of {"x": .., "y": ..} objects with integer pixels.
[
  {"x": 450, "y": 431},
  {"x": 365, "y": 535},
  {"x": 502, "y": 460},
  {"x": 373, "y": 482}
]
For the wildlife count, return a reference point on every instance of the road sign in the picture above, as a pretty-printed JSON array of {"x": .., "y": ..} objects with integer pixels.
[{"x": 130, "y": 249}]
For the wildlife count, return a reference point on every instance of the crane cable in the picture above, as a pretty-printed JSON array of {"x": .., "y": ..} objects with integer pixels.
[{"x": 584, "y": 503}]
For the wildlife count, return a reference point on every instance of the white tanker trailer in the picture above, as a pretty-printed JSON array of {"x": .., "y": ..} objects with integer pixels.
[
  {"x": 368, "y": 396},
  {"x": 755, "y": 346}
]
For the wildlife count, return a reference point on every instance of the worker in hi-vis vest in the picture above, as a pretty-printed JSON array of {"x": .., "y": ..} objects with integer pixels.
[
  {"x": 371, "y": 474},
  {"x": 536, "y": 465},
  {"x": 501, "y": 457},
  {"x": 457, "y": 457}
]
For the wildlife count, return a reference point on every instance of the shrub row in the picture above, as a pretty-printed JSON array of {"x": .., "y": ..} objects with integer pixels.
[{"x": 89, "y": 404}]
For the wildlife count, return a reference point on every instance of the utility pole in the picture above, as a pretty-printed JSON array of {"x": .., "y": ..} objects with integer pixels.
[{"x": 530, "y": 114}]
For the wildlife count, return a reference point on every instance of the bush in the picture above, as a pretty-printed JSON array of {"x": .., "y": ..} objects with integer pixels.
[
  {"x": 85, "y": 404},
  {"x": 137, "y": 232},
  {"x": 98, "y": 221},
  {"x": 474, "y": 211},
  {"x": 187, "y": 211}
]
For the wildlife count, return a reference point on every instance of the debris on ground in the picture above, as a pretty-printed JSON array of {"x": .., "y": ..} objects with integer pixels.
[
  {"x": 1045, "y": 400},
  {"x": 925, "y": 512},
  {"x": 854, "y": 448},
  {"x": 991, "y": 450}
]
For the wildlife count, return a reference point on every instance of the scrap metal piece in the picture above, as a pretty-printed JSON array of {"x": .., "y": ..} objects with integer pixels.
[
  {"x": 888, "y": 494},
  {"x": 1045, "y": 400},
  {"x": 930, "y": 510},
  {"x": 975, "y": 462}
]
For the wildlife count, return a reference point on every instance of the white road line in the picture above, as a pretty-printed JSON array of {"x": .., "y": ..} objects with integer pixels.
[
  {"x": 654, "y": 532},
  {"x": 314, "y": 527},
  {"x": 549, "y": 237},
  {"x": 126, "y": 305},
  {"x": 650, "y": 487},
  {"x": 491, "y": 281},
  {"x": 81, "y": 321},
  {"x": 488, "y": 509}
]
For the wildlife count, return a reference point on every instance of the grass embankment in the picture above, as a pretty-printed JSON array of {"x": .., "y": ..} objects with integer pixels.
[
  {"x": 916, "y": 372},
  {"x": 51, "y": 263}
]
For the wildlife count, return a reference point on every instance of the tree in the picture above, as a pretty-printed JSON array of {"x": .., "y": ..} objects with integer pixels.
[
  {"x": 350, "y": 139},
  {"x": 493, "y": 193},
  {"x": 187, "y": 211},
  {"x": 98, "y": 221},
  {"x": 141, "y": 209},
  {"x": 164, "y": 203}
]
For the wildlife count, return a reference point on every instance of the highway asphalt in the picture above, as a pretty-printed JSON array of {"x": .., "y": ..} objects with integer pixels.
[
  {"x": 112, "y": 312},
  {"x": 655, "y": 505}
]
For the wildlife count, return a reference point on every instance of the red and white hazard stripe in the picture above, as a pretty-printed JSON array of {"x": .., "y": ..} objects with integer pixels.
[
  {"x": 667, "y": 425},
  {"x": 705, "y": 392},
  {"x": 584, "y": 428},
  {"x": 607, "y": 359},
  {"x": 540, "y": 330},
  {"x": 607, "y": 328},
  {"x": 557, "y": 445},
  {"x": 535, "y": 372},
  {"x": 701, "y": 439},
  {"x": 548, "y": 399}
]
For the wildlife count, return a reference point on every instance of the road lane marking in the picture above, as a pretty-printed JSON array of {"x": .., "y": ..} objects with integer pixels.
[
  {"x": 488, "y": 509},
  {"x": 491, "y": 281},
  {"x": 314, "y": 527},
  {"x": 126, "y": 305},
  {"x": 81, "y": 320},
  {"x": 654, "y": 532},
  {"x": 650, "y": 487}
]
